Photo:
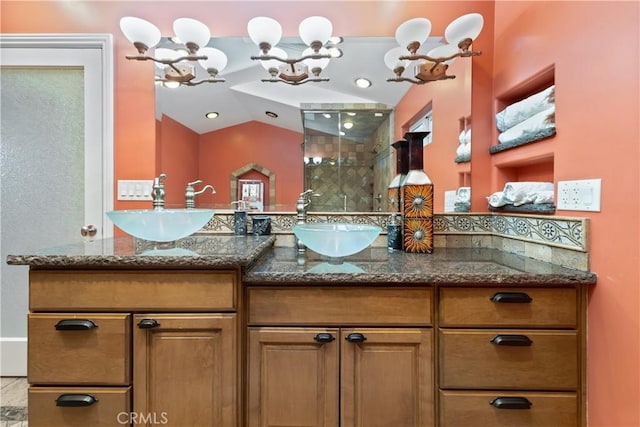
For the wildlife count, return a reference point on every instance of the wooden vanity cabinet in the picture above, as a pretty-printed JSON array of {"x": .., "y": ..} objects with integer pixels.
[
  {"x": 509, "y": 356},
  {"x": 124, "y": 347},
  {"x": 340, "y": 356}
]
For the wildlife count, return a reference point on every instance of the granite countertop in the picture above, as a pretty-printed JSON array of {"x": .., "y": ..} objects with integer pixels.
[
  {"x": 444, "y": 265},
  {"x": 218, "y": 251},
  {"x": 262, "y": 263}
]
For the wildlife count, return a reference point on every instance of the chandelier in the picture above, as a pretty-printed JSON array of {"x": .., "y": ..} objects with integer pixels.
[
  {"x": 315, "y": 32},
  {"x": 411, "y": 34},
  {"x": 176, "y": 66}
]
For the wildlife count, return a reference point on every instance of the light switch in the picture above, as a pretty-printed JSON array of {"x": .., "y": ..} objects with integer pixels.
[{"x": 135, "y": 189}]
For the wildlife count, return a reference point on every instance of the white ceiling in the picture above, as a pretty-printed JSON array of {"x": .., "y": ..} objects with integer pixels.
[{"x": 243, "y": 97}]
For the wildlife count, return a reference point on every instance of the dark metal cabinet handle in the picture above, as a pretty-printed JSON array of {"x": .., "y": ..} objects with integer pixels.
[
  {"x": 75, "y": 400},
  {"x": 324, "y": 337},
  {"x": 355, "y": 337},
  {"x": 511, "y": 403},
  {"x": 148, "y": 324},
  {"x": 511, "y": 297},
  {"x": 512, "y": 340},
  {"x": 75, "y": 325}
]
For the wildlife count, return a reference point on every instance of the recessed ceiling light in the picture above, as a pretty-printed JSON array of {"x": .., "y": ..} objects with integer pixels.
[
  {"x": 347, "y": 125},
  {"x": 212, "y": 115},
  {"x": 335, "y": 52},
  {"x": 378, "y": 114},
  {"x": 271, "y": 114},
  {"x": 363, "y": 83},
  {"x": 351, "y": 113},
  {"x": 327, "y": 115},
  {"x": 335, "y": 40}
]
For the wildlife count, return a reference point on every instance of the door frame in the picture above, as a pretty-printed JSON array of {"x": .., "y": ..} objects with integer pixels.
[{"x": 14, "y": 349}]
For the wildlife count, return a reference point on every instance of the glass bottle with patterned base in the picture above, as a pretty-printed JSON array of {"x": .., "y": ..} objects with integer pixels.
[{"x": 417, "y": 200}]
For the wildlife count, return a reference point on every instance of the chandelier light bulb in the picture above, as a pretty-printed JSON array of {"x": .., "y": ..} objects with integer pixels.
[
  {"x": 140, "y": 32},
  {"x": 216, "y": 59},
  {"x": 464, "y": 27},
  {"x": 316, "y": 63},
  {"x": 315, "y": 30},
  {"x": 413, "y": 33},
  {"x": 444, "y": 51},
  {"x": 192, "y": 32},
  {"x": 273, "y": 63},
  {"x": 392, "y": 58},
  {"x": 264, "y": 32}
]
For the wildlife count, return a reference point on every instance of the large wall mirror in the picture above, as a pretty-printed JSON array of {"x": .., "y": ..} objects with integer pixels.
[{"x": 264, "y": 132}]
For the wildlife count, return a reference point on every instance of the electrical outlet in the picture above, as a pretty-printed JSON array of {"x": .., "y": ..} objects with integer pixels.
[
  {"x": 581, "y": 195},
  {"x": 134, "y": 189}
]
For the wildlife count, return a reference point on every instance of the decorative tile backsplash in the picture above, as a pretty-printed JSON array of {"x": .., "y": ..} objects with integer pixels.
[{"x": 561, "y": 240}]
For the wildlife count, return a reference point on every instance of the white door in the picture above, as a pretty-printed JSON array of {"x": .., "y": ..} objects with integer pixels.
[{"x": 56, "y": 158}]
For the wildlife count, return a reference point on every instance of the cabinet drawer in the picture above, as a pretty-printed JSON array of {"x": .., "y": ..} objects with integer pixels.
[
  {"x": 87, "y": 348},
  {"x": 169, "y": 290},
  {"x": 497, "y": 359},
  {"x": 339, "y": 306},
  {"x": 475, "y": 409},
  {"x": 104, "y": 406},
  {"x": 512, "y": 307}
]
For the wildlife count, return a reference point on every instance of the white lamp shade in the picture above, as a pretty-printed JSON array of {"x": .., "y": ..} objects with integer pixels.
[
  {"x": 139, "y": 30},
  {"x": 315, "y": 29},
  {"x": 191, "y": 30},
  {"x": 444, "y": 51},
  {"x": 163, "y": 53},
  {"x": 215, "y": 58},
  {"x": 273, "y": 63},
  {"x": 413, "y": 30},
  {"x": 465, "y": 27},
  {"x": 391, "y": 58},
  {"x": 313, "y": 63},
  {"x": 262, "y": 29}
]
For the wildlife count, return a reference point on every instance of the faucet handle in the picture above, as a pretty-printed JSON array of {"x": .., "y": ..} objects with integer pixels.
[
  {"x": 196, "y": 182},
  {"x": 157, "y": 194}
]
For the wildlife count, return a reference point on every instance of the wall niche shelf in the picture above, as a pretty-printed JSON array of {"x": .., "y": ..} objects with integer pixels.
[{"x": 525, "y": 114}]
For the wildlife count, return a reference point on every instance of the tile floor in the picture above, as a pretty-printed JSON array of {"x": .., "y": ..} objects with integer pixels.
[{"x": 13, "y": 402}]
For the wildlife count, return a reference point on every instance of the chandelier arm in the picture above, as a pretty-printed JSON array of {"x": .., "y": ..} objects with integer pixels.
[
  {"x": 406, "y": 79},
  {"x": 190, "y": 83},
  {"x": 295, "y": 83},
  {"x": 167, "y": 61},
  {"x": 441, "y": 59},
  {"x": 291, "y": 61}
]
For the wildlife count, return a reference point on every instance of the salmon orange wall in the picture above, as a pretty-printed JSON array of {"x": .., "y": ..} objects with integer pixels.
[
  {"x": 594, "y": 48},
  {"x": 178, "y": 149},
  {"x": 450, "y": 100},
  {"x": 279, "y": 150}
]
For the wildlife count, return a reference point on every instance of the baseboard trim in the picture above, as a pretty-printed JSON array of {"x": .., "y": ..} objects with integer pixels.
[{"x": 13, "y": 356}]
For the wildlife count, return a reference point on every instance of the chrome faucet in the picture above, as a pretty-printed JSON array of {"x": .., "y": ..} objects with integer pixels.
[
  {"x": 190, "y": 193},
  {"x": 301, "y": 211},
  {"x": 157, "y": 193}
]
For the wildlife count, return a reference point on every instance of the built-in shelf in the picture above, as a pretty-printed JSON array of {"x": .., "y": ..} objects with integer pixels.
[{"x": 541, "y": 208}]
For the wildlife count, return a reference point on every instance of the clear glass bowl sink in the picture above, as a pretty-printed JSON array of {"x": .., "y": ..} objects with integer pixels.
[
  {"x": 161, "y": 225},
  {"x": 336, "y": 240}
]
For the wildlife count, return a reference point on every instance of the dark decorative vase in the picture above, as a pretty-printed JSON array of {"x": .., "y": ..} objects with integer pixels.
[
  {"x": 402, "y": 167},
  {"x": 417, "y": 200}
]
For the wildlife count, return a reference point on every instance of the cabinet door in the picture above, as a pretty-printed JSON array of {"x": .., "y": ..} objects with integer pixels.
[
  {"x": 293, "y": 377},
  {"x": 185, "y": 369},
  {"x": 387, "y": 377}
]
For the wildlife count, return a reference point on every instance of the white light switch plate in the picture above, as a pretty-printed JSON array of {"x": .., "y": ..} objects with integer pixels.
[
  {"x": 132, "y": 189},
  {"x": 581, "y": 195}
]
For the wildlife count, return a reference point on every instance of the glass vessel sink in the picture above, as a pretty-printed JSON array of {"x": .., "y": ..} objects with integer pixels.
[
  {"x": 161, "y": 225},
  {"x": 336, "y": 240}
]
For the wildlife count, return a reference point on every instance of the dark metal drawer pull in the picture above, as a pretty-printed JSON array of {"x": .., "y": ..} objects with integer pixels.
[
  {"x": 75, "y": 325},
  {"x": 511, "y": 403},
  {"x": 356, "y": 337},
  {"x": 513, "y": 340},
  {"x": 75, "y": 400},
  {"x": 148, "y": 324},
  {"x": 514, "y": 297},
  {"x": 324, "y": 337}
]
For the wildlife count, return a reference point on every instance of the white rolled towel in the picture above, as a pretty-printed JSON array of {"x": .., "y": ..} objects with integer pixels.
[
  {"x": 528, "y": 107},
  {"x": 517, "y": 193},
  {"x": 497, "y": 199},
  {"x": 543, "y": 197}
]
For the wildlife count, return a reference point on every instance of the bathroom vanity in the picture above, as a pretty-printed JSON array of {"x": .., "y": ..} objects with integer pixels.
[{"x": 232, "y": 331}]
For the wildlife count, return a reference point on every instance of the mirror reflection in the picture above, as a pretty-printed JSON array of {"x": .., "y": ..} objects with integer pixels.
[{"x": 263, "y": 133}]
